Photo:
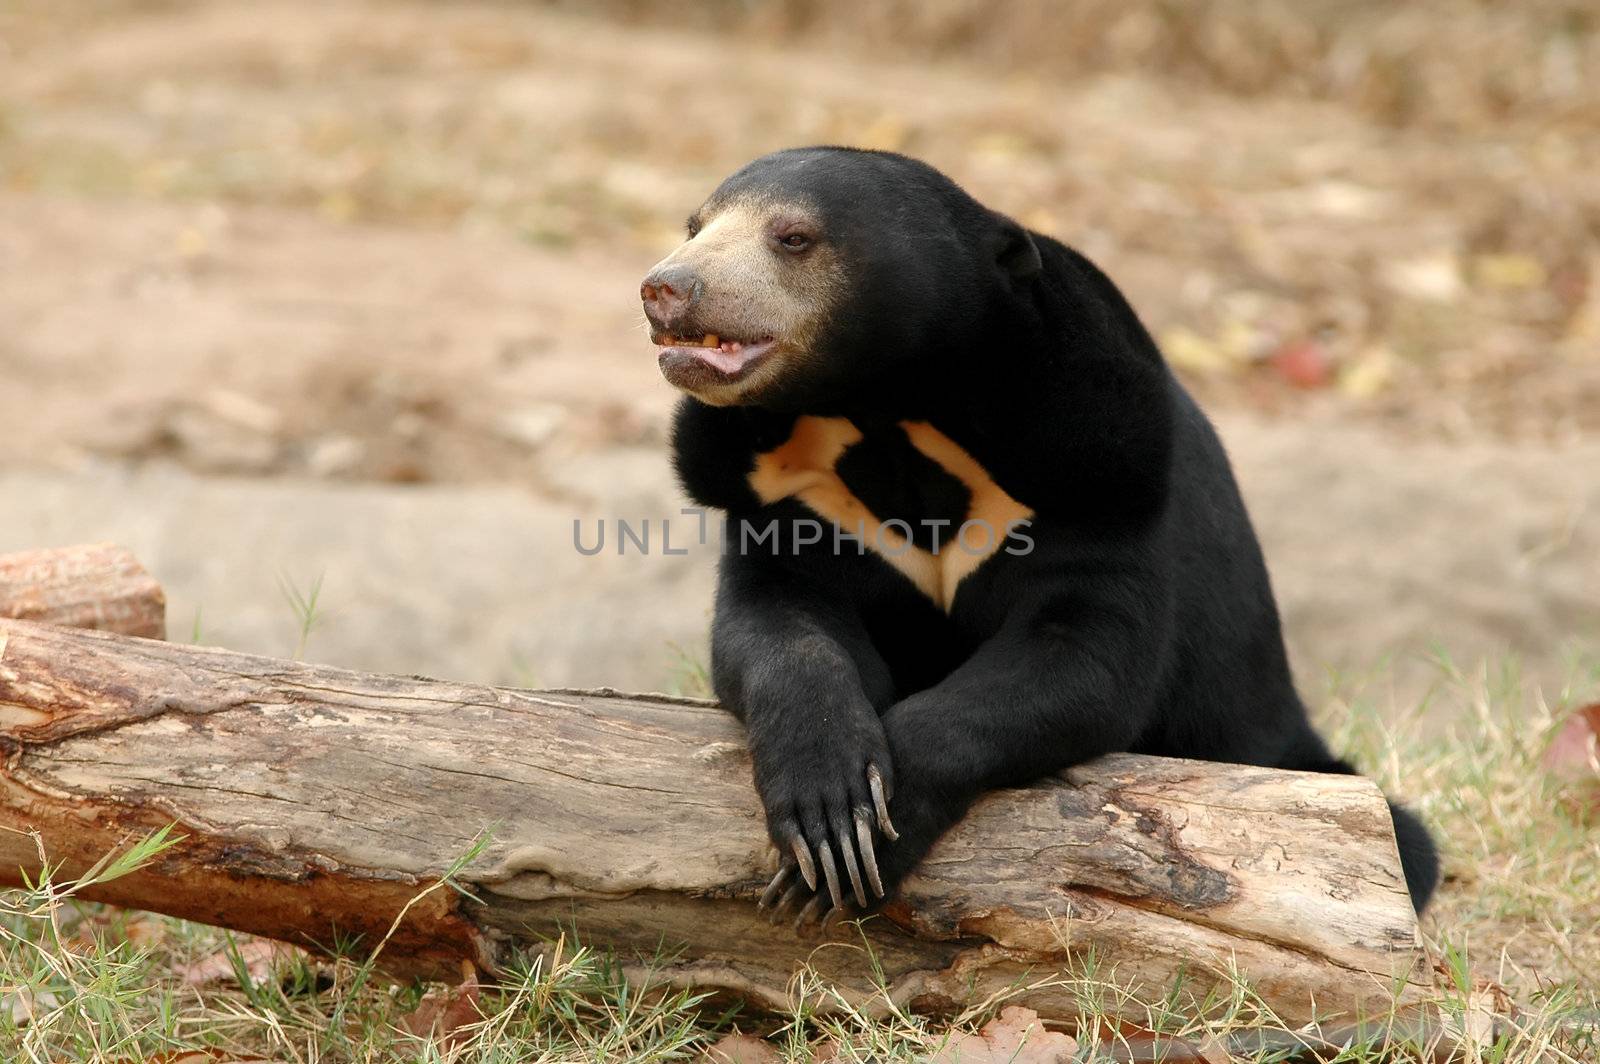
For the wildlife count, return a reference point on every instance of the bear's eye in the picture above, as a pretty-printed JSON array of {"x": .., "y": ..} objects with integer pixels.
[{"x": 795, "y": 241}]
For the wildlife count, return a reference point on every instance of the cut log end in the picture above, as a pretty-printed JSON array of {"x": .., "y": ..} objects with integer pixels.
[{"x": 100, "y": 586}]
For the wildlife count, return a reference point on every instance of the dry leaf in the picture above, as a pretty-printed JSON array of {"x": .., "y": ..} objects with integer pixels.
[
  {"x": 1211, "y": 1050},
  {"x": 1369, "y": 373},
  {"x": 740, "y": 1049},
  {"x": 24, "y": 1003},
  {"x": 446, "y": 1016},
  {"x": 827, "y": 1052},
  {"x": 1303, "y": 363},
  {"x": 1509, "y": 271},
  {"x": 1574, "y": 754},
  {"x": 1188, "y": 350},
  {"x": 1434, "y": 277},
  {"x": 1128, "y": 1040},
  {"x": 136, "y": 930},
  {"x": 1016, "y": 1036},
  {"x": 261, "y": 956},
  {"x": 145, "y": 931},
  {"x": 1573, "y": 758},
  {"x": 1487, "y": 1006}
]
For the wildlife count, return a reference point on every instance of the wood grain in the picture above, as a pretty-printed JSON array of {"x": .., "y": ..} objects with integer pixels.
[
  {"x": 317, "y": 801},
  {"x": 97, "y": 585}
]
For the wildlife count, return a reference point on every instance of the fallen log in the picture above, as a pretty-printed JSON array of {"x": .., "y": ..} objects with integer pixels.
[
  {"x": 316, "y": 802},
  {"x": 98, "y": 585}
]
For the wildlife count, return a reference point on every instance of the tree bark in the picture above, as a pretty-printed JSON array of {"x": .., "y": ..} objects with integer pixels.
[
  {"x": 95, "y": 586},
  {"x": 315, "y": 802}
]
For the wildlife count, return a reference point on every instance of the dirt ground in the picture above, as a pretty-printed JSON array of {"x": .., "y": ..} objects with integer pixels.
[{"x": 398, "y": 244}]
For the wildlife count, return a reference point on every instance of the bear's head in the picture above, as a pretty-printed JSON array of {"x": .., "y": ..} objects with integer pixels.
[{"x": 815, "y": 277}]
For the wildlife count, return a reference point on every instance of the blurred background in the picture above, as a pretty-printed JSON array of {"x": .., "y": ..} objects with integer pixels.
[{"x": 344, "y": 295}]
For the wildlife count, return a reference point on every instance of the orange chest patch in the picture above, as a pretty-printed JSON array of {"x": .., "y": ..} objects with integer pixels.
[{"x": 935, "y": 557}]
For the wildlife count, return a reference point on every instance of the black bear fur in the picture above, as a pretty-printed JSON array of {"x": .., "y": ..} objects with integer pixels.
[{"x": 1141, "y": 619}]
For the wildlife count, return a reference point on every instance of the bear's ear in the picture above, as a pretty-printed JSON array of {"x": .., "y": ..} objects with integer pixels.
[{"x": 1015, "y": 250}]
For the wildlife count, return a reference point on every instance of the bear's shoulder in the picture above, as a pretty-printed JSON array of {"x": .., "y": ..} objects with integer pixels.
[{"x": 714, "y": 451}]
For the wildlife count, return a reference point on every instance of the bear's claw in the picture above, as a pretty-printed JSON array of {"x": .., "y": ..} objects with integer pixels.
[
  {"x": 852, "y": 835},
  {"x": 790, "y": 896},
  {"x": 875, "y": 783},
  {"x": 852, "y": 866},
  {"x": 802, "y": 855},
  {"x": 770, "y": 895},
  {"x": 869, "y": 859},
  {"x": 813, "y": 909},
  {"x": 830, "y": 871}
]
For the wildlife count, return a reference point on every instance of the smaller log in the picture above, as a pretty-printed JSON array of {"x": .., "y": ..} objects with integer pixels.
[{"x": 99, "y": 585}]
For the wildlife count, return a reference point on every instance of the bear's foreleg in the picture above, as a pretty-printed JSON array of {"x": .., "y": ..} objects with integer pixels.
[
  {"x": 1060, "y": 684},
  {"x": 801, "y": 671}
]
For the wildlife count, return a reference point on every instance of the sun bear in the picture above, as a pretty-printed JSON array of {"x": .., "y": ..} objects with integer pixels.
[{"x": 976, "y": 531}]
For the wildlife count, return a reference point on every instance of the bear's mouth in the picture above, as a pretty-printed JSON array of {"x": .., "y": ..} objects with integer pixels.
[{"x": 689, "y": 362}]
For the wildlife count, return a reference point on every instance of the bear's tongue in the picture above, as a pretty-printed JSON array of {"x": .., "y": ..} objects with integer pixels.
[
  {"x": 726, "y": 356},
  {"x": 729, "y": 359}
]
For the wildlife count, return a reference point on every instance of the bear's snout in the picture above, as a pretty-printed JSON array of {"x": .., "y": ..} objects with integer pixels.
[{"x": 668, "y": 294}]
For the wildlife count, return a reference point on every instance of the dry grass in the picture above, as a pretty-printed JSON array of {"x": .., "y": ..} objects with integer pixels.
[
  {"x": 1520, "y": 852},
  {"x": 1513, "y": 933}
]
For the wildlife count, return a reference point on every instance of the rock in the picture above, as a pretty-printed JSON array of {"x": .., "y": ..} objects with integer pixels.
[
  {"x": 531, "y": 426},
  {"x": 334, "y": 456}
]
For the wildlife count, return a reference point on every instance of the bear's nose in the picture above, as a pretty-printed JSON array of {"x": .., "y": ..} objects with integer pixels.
[{"x": 668, "y": 293}]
